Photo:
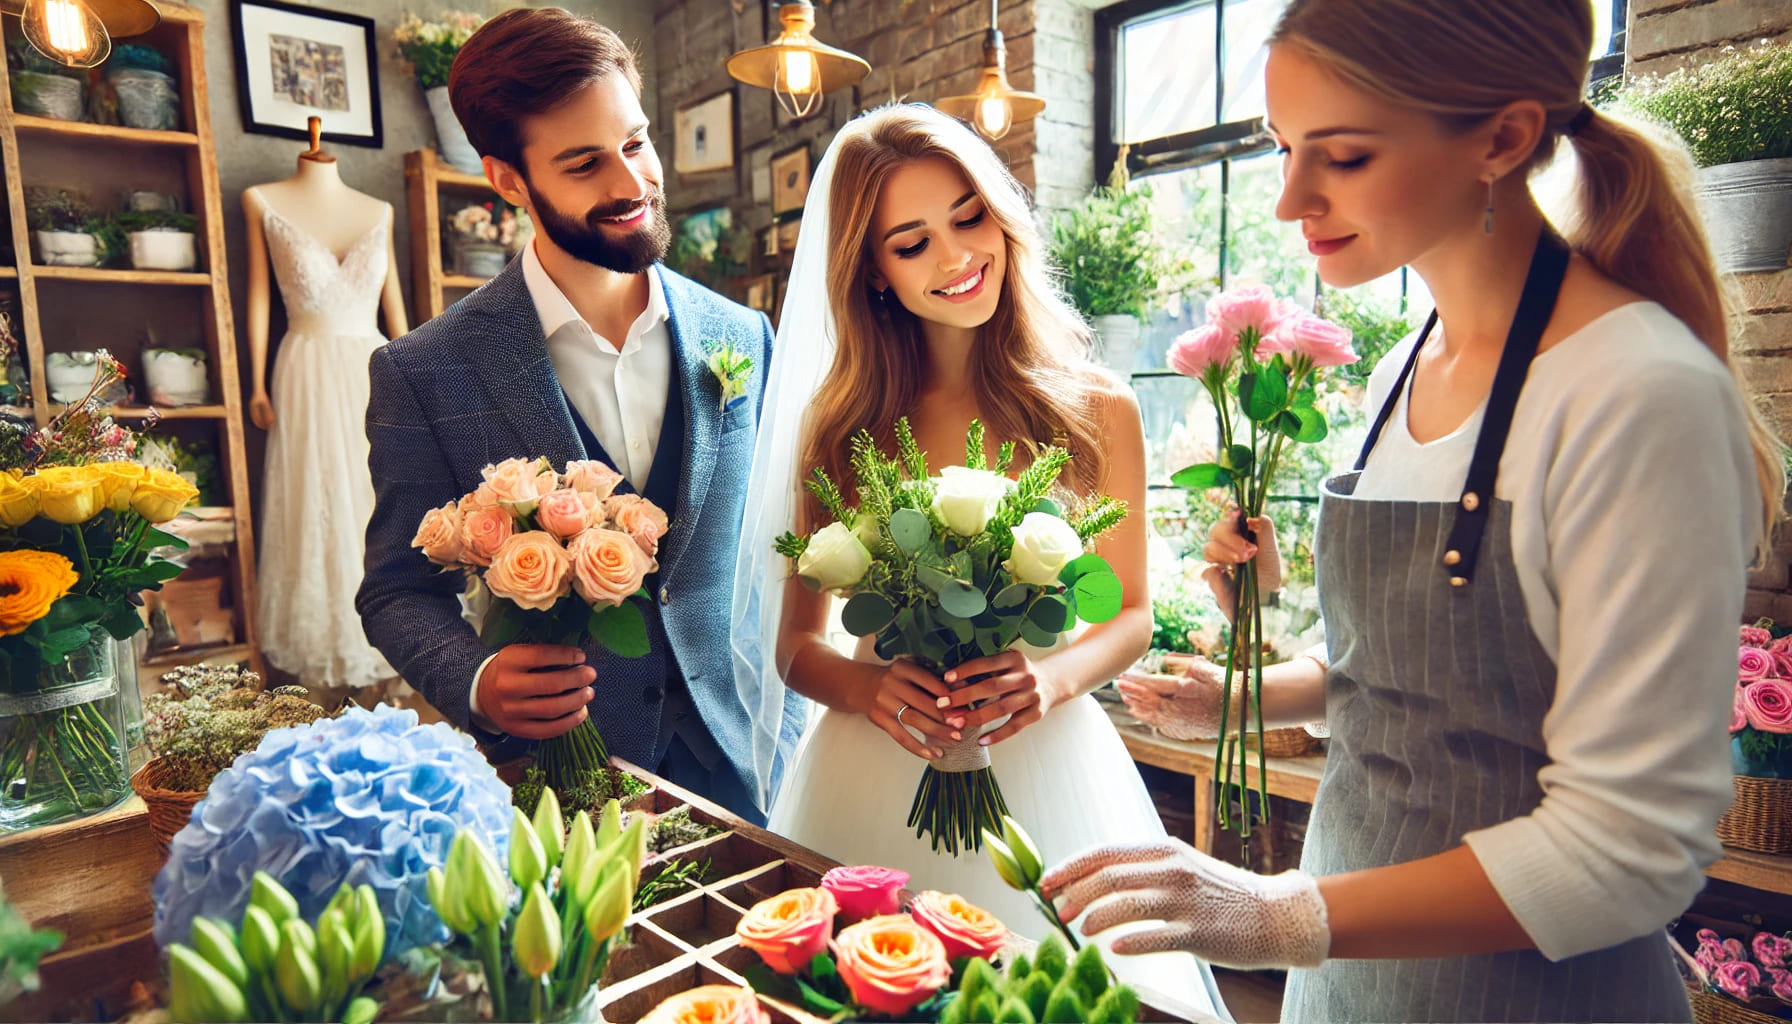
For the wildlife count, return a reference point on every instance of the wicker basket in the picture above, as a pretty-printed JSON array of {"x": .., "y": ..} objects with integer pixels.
[
  {"x": 1711, "y": 1008},
  {"x": 1295, "y": 742},
  {"x": 1761, "y": 818},
  {"x": 169, "y": 809}
]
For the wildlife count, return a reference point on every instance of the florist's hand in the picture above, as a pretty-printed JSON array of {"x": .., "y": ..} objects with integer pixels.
[
  {"x": 1017, "y": 686},
  {"x": 536, "y": 691},
  {"x": 1185, "y": 707},
  {"x": 1227, "y": 547},
  {"x": 1220, "y": 913},
  {"x": 261, "y": 411},
  {"x": 906, "y": 684}
]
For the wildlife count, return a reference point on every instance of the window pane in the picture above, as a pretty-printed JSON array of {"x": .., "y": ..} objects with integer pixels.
[
  {"x": 1248, "y": 25},
  {"x": 1260, "y": 248},
  {"x": 1187, "y": 204},
  {"x": 1180, "y": 430},
  {"x": 1604, "y": 15},
  {"x": 1166, "y": 74}
]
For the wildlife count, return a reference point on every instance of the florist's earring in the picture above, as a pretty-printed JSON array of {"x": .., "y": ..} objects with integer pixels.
[{"x": 1487, "y": 222}]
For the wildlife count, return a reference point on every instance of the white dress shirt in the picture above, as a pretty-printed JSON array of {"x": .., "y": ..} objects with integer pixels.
[{"x": 620, "y": 392}]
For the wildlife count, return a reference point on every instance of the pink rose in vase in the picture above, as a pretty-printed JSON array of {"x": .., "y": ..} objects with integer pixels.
[
  {"x": 1755, "y": 636},
  {"x": 865, "y": 891},
  {"x": 1193, "y": 352},
  {"x": 1738, "y": 713},
  {"x": 1752, "y": 664},
  {"x": 1737, "y": 978},
  {"x": 1321, "y": 341},
  {"x": 1255, "y": 308},
  {"x": 1782, "y": 664},
  {"x": 1767, "y": 705}
]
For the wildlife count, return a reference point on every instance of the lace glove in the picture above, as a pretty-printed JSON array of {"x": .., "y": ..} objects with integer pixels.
[
  {"x": 1220, "y": 913},
  {"x": 1185, "y": 707}
]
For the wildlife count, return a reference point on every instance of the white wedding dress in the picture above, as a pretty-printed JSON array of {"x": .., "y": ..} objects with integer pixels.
[
  {"x": 1067, "y": 780},
  {"x": 317, "y": 495}
]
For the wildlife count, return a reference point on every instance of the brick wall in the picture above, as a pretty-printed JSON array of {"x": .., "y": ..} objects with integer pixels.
[{"x": 1667, "y": 34}]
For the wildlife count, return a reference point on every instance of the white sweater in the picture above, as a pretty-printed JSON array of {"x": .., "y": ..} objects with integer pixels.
[{"x": 1635, "y": 511}]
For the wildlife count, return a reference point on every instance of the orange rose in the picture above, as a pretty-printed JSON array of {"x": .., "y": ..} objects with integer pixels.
[
  {"x": 710, "y": 1004},
  {"x": 30, "y": 582},
  {"x": 891, "y": 964},
  {"x": 639, "y": 518},
  {"x": 790, "y": 929},
  {"x": 531, "y": 569},
  {"x": 592, "y": 477},
  {"x": 608, "y": 566},
  {"x": 965, "y": 930},
  {"x": 484, "y": 529},
  {"x": 521, "y": 482},
  {"x": 439, "y": 535},
  {"x": 565, "y": 512}
]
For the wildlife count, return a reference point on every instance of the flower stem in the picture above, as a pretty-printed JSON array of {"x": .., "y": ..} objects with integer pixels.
[{"x": 494, "y": 970}]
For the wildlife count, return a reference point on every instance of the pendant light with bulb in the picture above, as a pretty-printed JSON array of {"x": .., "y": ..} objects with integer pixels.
[
  {"x": 996, "y": 106},
  {"x": 796, "y": 67},
  {"x": 79, "y": 33}
]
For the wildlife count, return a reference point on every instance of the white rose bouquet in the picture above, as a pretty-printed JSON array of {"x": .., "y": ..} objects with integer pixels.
[{"x": 946, "y": 569}]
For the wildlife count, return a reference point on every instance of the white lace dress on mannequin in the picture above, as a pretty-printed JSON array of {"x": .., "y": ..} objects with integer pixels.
[
  {"x": 1067, "y": 779},
  {"x": 317, "y": 496}
]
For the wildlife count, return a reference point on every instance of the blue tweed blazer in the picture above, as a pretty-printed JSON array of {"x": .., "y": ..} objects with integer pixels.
[{"x": 475, "y": 386}]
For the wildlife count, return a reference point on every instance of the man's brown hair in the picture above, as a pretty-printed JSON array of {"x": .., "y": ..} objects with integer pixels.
[{"x": 528, "y": 61}]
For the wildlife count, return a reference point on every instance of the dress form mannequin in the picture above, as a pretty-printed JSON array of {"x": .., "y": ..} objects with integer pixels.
[
  {"x": 316, "y": 200},
  {"x": 330, "y": 251}
]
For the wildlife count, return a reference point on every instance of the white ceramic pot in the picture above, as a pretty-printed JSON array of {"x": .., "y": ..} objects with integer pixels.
[
  {"x": 451, "y": 138},
  {"x": 1116, "y": 342},
  {"x": 176, "y": 376},
  {"x": 68, "y": 249},
  {"x": 70, "y": 375},
  {"x": 163, "y": 249},
  {"x": 1748, "y": 210}
]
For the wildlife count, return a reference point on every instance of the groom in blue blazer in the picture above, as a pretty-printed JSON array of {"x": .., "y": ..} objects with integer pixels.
[{"x": 583, "y": 348}]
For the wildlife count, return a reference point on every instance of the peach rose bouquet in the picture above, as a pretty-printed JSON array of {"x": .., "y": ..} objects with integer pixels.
[
  {"x": 561, "y": 557},
  {"x": 847, "y": 950}
]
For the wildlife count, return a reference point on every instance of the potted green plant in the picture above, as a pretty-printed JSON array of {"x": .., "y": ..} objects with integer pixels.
[
  {"x": 1114, "y": 263},
  {"x": 160, "y": 239},
  {"x": 42, "y": 87},
  {"x": 143, "y": 78},
  {"x": 1735, "y": 114},
  {"x": 69, "y": 232},
  {"x": 428, "y": 48}
]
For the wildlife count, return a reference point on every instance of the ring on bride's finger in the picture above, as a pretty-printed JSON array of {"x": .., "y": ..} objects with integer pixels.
[{"x": 900, "y": 712}]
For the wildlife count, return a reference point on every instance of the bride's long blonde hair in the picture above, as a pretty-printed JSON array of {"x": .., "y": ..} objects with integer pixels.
[{"x": 1029, "y": 366}]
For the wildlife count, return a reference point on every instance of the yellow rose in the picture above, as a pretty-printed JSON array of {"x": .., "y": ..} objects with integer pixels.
[
  {"x": 118, "y": 482},
  {"x": 161, "y": 495},
  {"x": 67, "y": 494},
  {"x": 30, "y": 582},
  {"x": 18, "y": 502}
]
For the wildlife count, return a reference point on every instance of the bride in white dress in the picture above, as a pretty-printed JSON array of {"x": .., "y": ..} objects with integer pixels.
[{"x": 918, "y": 289}]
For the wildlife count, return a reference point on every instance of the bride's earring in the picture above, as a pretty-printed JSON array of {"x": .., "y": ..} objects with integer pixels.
[{"x": 1487, "y": 223}]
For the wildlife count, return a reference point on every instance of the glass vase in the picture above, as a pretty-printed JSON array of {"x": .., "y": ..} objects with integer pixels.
[{"x": 63, "y": 746}]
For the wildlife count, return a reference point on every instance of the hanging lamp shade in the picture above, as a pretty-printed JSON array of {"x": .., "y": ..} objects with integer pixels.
[
  {"x": 795, "y": 66},
  {"x": 79, "y": 33},
  {"x": 996, "y": 106}
]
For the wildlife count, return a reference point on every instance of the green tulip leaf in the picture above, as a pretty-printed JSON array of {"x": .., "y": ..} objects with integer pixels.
[
  {"x": 1310, "y": 426},
  {"x": 867, "y": 613},
  {"x": 1238, "y": 460},
  {"x": 1203, "y": 476},
  {"x": 1263, "y": 394}
]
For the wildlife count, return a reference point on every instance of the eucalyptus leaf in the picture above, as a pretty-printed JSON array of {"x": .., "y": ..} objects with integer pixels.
[
  {"x": 962, "y": 600},
  {"x": 1202, "y": 476},
  {"x": 1082, "y": 566},
  {"x": 934, "y": 578},
  {"x": 1037, "y": 637},
  {"x": 867, "y": 613},
  {"x": 1013, "y": 596},
  {"x": 1098, "y": 597},
  {"x": 1052, "y": 613},
  {"x": 1049, "y": 507},
  {"x": 910, "y": 530}
]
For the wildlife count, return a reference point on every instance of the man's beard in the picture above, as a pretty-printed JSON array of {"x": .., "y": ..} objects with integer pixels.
[{"x": 586, "y": 239}]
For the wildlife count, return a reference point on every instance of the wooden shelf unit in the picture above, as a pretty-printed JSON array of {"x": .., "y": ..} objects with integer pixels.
[
  {"x": 105, "y": 160},
  {"x": 425, "y": 176}
]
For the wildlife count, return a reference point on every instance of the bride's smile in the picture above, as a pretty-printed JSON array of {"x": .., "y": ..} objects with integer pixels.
[{"x": 935, "y": 246}]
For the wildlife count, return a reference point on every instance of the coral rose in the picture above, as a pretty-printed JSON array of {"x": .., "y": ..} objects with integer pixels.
[
  {"x": 531, "y": 569},
  {"x": 520, "y": 483},
  {"x": 964, "y": 929},
  {"x": 789, "y": 929},
  {"x": 484, "y": 529},
  {"x": 592, "y": 477},
  {"x": 30, "y": 582},
  {"x": 439, "y": 535},
  {"x": 710, "y": 1004},
  {"x": 607, "y": 566},
  {"x": 865, "y": 891},
  {"x": 565, "y": 512},
  {"x": 891, "y": 964},
  {"x": 639, "y": 518}
]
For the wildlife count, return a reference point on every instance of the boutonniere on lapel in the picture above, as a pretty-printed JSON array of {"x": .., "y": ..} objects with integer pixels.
[{"x": 732, "y": 370}]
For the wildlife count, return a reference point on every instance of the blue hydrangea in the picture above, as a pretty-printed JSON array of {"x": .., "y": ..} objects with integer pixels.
[{"x": 368, "y": 797}]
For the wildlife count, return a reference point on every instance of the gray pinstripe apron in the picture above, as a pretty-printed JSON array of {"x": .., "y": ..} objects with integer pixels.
[{"x": 1435, "y": 699}]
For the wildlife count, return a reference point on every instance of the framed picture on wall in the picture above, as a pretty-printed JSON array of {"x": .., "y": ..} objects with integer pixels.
[
  {"x": 790, "y": 180},
  {"x": 704, "y": 135},
  {"x": 295, "y": 62},
  {"x": 788, "y": 233}
]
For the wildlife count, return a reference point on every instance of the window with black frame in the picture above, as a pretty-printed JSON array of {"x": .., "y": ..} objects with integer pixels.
[{"x": 1180, "y": 99}]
